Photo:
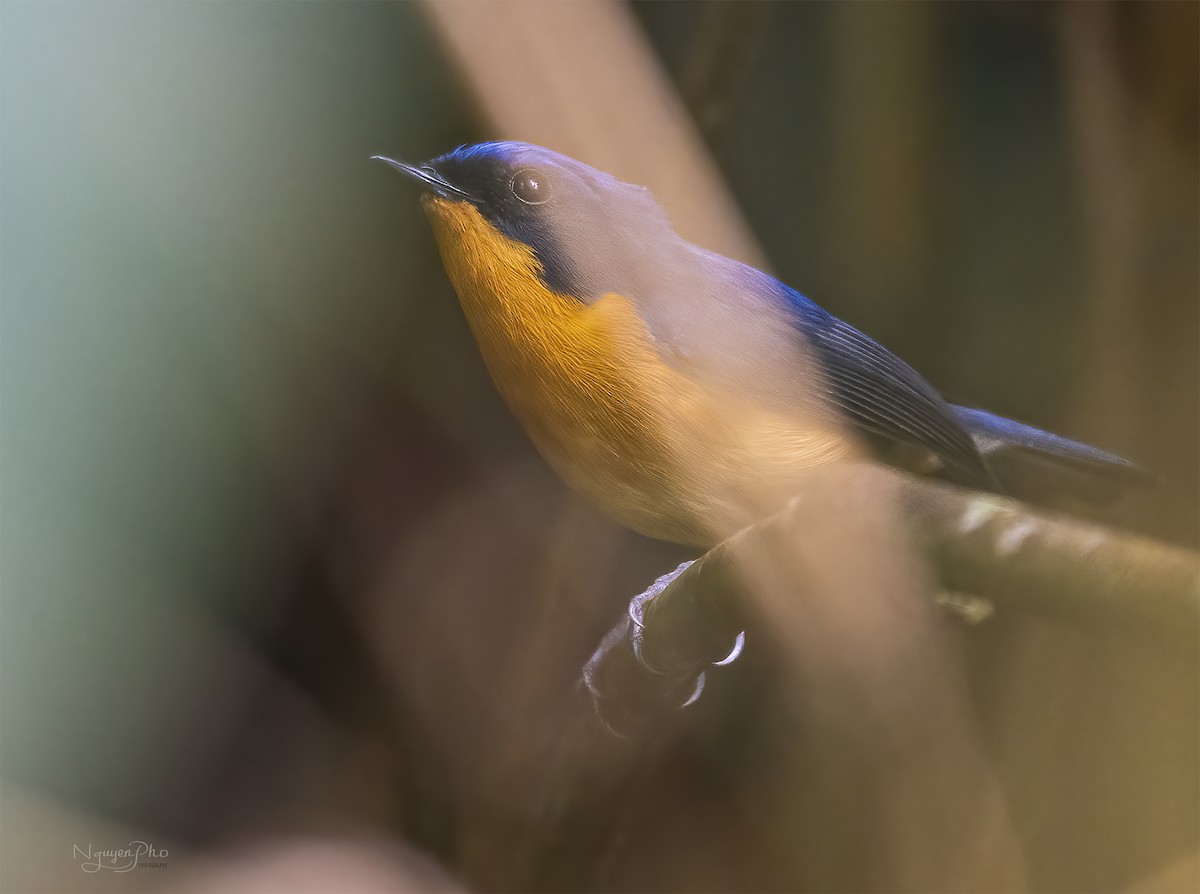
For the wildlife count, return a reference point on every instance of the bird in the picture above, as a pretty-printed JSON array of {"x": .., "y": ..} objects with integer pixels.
[{"x": 683, "y": 393}]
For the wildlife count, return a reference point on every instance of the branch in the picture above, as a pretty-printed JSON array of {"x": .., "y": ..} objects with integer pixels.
[{"x": 1019, "y": 559}]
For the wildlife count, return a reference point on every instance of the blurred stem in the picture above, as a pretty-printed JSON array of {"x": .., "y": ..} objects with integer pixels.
[
  {"x": 718, "y": 61},
  {"x": 883, "y": 88},
  {"x": 1102, "y": 132}
]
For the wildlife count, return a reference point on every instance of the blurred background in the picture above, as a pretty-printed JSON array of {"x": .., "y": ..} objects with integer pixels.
[{"x": 285, "y": 588}]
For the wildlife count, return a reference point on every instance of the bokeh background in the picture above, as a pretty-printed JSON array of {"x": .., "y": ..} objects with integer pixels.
[{"x": 276, "y": 565}]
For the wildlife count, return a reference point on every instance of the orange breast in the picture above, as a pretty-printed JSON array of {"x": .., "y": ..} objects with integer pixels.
[{"x": 648, "y": 445}]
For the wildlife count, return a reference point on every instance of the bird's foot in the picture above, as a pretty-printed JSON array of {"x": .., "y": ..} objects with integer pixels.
[{"x": 639, "y": 668}]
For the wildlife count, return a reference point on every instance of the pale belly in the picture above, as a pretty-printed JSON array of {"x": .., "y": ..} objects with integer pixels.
[{"x": 661, "y": 456}]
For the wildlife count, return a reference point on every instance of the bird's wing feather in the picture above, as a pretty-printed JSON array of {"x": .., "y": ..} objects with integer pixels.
[
  {"x": 881, "y": 394},
  {"x": 865, "y": 384}
]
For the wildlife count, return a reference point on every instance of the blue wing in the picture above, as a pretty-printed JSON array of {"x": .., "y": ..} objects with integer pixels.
[{"x": 883, "y": 396}]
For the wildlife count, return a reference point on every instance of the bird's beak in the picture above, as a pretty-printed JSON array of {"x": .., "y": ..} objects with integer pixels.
[{"x": 429, "y": 177}]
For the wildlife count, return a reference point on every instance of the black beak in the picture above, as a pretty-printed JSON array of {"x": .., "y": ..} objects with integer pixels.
[{"x": 429, "y": 177}]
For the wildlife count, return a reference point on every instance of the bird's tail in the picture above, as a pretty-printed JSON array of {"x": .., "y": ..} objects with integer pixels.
[{"x": 1035, "y": 465}]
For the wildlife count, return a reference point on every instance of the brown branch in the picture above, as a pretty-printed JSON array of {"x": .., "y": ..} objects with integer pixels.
[{"x": 998, "y": 549}]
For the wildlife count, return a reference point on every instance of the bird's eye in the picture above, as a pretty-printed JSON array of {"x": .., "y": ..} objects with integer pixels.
[{"x": 531, "y": 186}]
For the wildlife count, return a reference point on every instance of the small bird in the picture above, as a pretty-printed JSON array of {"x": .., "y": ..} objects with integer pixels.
[{"x": 683, "y": 393}]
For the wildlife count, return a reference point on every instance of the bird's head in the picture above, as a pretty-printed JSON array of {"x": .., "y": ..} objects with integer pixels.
[{"x": 588, "y": 232}]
